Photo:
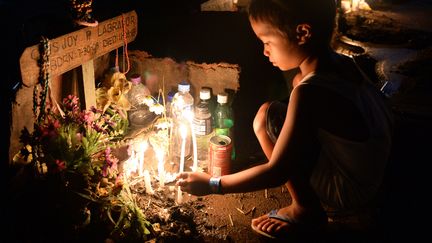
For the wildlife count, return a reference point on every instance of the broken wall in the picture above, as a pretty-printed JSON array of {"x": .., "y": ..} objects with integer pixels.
[{"x": 157, "y": 71}]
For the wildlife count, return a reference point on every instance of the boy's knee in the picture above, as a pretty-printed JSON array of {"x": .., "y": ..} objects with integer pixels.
[{"x": 259, "y": 122}]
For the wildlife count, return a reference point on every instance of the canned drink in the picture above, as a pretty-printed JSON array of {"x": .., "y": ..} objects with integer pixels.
[{"x": 220, "y": 155}]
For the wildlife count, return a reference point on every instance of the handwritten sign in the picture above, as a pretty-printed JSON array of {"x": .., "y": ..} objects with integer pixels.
[{"x": 72, "y": 50}]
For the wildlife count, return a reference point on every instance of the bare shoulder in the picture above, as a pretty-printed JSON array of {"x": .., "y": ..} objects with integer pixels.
[
  {"x": 310, "y": 96},
  {"x": 306, "y": 101},
  {"x": 324, "y": 108}
]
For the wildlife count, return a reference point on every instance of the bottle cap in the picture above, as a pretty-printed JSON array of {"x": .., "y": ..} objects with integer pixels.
[
  {"x": 183, "y": 87},
  {"x": 170, "y": 96},
  {"x": 204, "y": 94},
  {"x": 222, "y": 98},
  {"x": 136, "y": 78}
]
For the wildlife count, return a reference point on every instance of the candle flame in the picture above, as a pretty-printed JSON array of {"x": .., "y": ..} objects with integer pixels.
[
  {"x": 142, "y": 146},
  {"x": 161, "y": 168},
  {"x": 159, "y": 155},
  {"x": 183, "y": 131},
  {"x": 188, "y": 114}
]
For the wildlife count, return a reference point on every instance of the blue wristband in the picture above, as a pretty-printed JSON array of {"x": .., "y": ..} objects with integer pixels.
[{"x": 215, "y": 185}]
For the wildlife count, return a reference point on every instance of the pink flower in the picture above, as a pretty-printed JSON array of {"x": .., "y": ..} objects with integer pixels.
[
  {"x": 87, "y": 117},
  {"x": 50, "y": 130},
  {"x": 61, "y": 165},
  {"x": 110, "y": 162},
  {"x": 71, "y": 103}
]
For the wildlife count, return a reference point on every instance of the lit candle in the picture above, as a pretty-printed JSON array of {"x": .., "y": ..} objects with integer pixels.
[
  {"x": 195, "y": 151},
  {"x": 129, "y": 165},
  {"x": 147, "y": 182},
  {"x": 355, "y": 5},
  {"x": 161, "y": 169},
  {"x": 141, "y": 151},
  {"x": 183, "y": 133}
]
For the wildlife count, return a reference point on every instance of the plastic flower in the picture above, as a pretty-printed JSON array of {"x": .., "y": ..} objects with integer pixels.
[
  {"x": 157, "y": 108},
  {"x": 149, "y": 101},
  {"x": 162, "y": 123},
  {"x": 110, "y": 165},
  {"x": 61, "y": 165},
  {"x": 71, "y": 103},
  {"x": 123, "y": 84},
  {"x": 50, "y": 131},
  {"x": 41, "y": 168},
  {"x": 113, "y": 92},
  {"x": 102, "y": 100},
  {"x": 88, "y": 117}
]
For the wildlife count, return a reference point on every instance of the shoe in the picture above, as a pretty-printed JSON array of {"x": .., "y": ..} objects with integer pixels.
[{"x": 294, "y": 226}]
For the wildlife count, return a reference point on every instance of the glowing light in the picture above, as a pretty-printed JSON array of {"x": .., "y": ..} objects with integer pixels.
[
  {"x": 142, "y": 147},
  {"x": 183, "y": 133},
  {"x": 354, "y": 5},
  {"x": 194, "y": 148},
  {"x": 147, "y": 182},
  {"x": 161, "y": 167},
  {"x": 130, "y": 165}
]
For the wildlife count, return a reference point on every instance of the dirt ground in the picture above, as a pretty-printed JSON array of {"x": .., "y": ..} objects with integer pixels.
[{"x": 214, "y": 218}]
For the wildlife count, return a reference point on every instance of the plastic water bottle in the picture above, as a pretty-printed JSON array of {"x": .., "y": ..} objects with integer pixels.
[
  {"x": 137, "y": 93},
  {"x": 224, "y": 119},
  {"x": 182, "y": 113},
  {"x": 139, "y": 114},
  {"x": 203, "y": 126}
]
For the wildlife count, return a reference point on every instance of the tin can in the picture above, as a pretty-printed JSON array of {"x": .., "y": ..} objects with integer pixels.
[{"x": 220, "y": 148}]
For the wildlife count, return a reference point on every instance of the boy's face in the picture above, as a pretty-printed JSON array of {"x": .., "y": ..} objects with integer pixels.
[{"x": 282, "y": 52}]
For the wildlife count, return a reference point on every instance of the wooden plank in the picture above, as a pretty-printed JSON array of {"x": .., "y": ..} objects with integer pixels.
[
  {"x": 89, "y": 84},
  {"x": 71, "y": 50}
]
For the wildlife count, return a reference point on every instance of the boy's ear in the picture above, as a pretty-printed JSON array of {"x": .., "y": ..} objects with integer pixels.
[{"x": 304, "y": 33}]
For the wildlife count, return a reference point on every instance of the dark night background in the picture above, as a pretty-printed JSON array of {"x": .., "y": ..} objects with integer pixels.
[{"x": 177, "y": 29}]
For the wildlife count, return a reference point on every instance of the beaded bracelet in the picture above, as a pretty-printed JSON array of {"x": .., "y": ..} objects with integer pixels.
[{"x": 215, "y": 185}]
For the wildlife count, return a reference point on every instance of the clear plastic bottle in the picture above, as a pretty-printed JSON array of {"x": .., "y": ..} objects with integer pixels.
[
  {"x": 139, "y": 114},
  {"x": 137, "y": 93},
  {"x": 182, "y": 113},
  {"x": 224, "y": 119},
  {"x": 203, "y": 126}
]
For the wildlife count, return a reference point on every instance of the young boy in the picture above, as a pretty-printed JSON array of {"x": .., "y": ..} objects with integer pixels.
[{"x": 330, "y": 143}]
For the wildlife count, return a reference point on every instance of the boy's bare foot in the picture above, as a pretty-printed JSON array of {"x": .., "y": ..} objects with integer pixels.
[{"x": 289, "y": 219}]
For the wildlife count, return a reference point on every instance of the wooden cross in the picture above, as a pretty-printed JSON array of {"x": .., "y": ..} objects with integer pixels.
[{"x": 80, "y": 48}]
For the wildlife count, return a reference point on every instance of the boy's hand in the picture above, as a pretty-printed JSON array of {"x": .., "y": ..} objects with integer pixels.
[{"x": 195, "y": 183}]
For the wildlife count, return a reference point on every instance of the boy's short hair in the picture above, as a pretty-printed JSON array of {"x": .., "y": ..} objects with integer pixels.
[{"x": 285, "y": 15}]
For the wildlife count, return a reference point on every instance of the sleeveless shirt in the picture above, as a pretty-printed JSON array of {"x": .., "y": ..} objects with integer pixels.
[{"x": 349, "y": 173}]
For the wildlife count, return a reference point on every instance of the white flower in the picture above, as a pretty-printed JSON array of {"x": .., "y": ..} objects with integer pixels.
[
  {"x": 157, "y": 108},
  {"x": 162, "y": 123},
  {"x": 149, "y": 101}
]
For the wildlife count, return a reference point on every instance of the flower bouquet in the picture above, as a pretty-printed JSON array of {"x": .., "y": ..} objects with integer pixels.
[{"x": 72, "y": 178}]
